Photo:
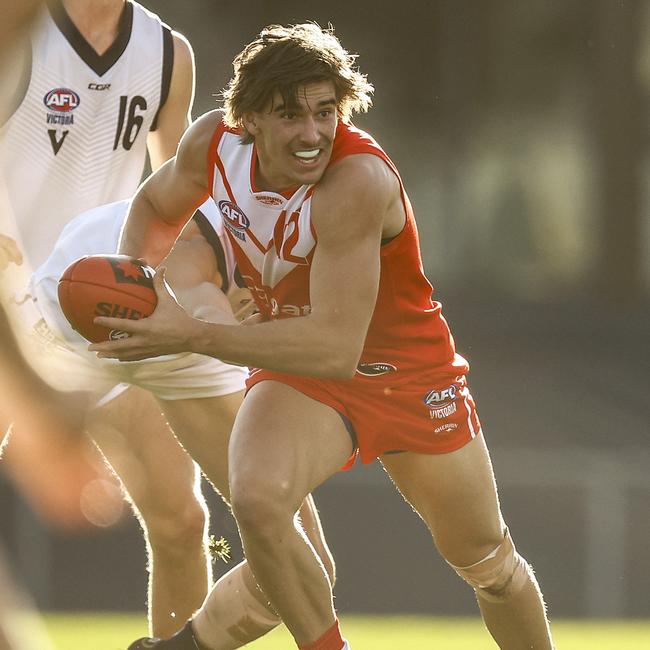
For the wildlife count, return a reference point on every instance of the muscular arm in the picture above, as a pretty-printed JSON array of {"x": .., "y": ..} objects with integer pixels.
[
  {"x": 17, "y": 377},
  {"x": 165, "y": 202},
  {"x": 193, "y": 274},
  {"x": 27, "y": 398},
  {"x": 174, "y": 116},
  {"x": 344, "y": 283}
]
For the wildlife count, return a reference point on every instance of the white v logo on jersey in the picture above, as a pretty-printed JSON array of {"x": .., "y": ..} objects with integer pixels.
[{"x": 56, "y": 144}]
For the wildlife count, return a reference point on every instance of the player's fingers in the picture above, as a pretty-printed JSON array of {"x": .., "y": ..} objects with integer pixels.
[
  {"x": 123, "y": 356},
  {"x": 123, "y": 324}
]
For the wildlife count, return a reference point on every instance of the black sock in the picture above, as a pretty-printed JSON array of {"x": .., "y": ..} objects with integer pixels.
[
  {"x": 197, "y": 643},
  {"x": 183, "y": 640}
]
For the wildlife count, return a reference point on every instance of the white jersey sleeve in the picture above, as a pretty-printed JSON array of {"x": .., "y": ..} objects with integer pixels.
[{"x": 64, "y": 358}]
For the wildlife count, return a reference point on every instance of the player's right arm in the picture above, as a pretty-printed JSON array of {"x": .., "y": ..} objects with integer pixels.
[{"x": 165, "y": 202}]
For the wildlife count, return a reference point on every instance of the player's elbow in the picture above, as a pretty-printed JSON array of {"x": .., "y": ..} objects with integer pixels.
[
  {"x": 338, "y": 345},
  {"x": 340, "y": 360},
  {"x": 337, "y": 369}
]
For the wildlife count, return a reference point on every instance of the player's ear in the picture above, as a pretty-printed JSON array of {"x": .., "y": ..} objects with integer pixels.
[{"x": 249, "y": 121}]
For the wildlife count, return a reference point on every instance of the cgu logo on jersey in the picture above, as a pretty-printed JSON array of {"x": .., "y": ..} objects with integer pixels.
[
  {"x": 61, "y": 100},
  {"x": 375, "y": 369},
  {"x": 234, "y": 219}
]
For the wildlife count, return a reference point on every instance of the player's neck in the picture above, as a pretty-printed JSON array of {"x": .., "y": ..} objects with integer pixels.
[{"x": 96, "y": 20}]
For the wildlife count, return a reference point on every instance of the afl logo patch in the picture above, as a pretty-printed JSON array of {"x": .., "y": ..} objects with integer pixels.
[
  {"x": 439, "y": 397},
  {"x": 234, "y": 219},
  {"x": 61, "y": 100},
  {"x": 375, "y": 369}
]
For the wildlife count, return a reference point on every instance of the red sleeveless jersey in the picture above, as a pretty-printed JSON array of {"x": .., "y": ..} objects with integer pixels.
[{"x": 274, "y": 241}]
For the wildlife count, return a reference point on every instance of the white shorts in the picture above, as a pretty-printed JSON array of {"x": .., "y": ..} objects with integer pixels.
[{"x": 65, "y": 363}]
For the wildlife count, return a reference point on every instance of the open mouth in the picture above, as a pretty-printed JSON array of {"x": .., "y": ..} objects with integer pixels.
[{"x": 307, "y": 156}]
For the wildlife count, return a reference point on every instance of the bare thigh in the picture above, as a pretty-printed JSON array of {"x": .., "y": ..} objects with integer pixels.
[
  {"x": 133, "y": 435},
  {"x": 286, "y": 444},
  {"x": 203, "y": 427},
  {"x": 456, "y": 496}
]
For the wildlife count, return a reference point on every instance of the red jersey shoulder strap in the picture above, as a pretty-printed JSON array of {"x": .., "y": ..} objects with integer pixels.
[
  {"x": 350, "y": 140},
  {"x": 215, "y": 140}
]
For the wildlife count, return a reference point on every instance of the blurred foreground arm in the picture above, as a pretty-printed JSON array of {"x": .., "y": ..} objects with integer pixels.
[
  {"x": 9, "y": 252},
  {"x": 50, "y": 460}
]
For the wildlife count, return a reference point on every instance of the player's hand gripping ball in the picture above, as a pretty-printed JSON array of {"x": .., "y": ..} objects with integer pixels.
[{"x": 118, "y": 286}]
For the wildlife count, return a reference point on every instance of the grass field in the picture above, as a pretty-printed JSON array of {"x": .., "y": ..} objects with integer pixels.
[{"x": 115, "y": 632}]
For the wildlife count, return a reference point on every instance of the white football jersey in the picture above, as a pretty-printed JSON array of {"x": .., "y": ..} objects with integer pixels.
[
  {"x": 96, "y": 232},
  {"x": 77, "y": 138}
]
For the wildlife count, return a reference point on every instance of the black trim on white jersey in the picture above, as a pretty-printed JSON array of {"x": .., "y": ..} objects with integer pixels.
[
  {"x": 213, "y": 239},
  {"x": 100, "y": 64},
  {"x": 239, "y": 278},
  {"x": 26, "y": 57},
  {"x": 167, "y": 67}
]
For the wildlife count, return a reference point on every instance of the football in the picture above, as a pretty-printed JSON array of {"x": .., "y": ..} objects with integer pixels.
[{"x": 118, "y": 286}]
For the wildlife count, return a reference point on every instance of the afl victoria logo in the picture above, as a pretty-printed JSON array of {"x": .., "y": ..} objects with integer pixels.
[
  {"x": 234, "y": 219},
  {"x": 61, "y": 100},
  {"x": 436, "y": 398}
]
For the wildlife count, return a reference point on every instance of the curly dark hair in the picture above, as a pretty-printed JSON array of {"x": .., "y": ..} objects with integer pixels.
[{"x": 284, "y": 59}]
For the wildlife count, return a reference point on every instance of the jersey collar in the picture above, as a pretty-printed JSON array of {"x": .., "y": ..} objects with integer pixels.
[{"x": 100, "y": 64}]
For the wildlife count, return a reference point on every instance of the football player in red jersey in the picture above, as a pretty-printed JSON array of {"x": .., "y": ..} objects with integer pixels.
[{"x": 353, "y": 356}]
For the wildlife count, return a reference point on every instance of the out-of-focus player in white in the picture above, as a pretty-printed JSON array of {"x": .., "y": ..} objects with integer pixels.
[
  {"x": 105, "y": 80},
  {"x": 102, "y": 82},
  {"x": 199, "y": 395},
  {"x": 52, "y": 421}
]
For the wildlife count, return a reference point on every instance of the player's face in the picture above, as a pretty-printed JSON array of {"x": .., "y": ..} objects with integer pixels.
[{"x": 294, "y": 143}]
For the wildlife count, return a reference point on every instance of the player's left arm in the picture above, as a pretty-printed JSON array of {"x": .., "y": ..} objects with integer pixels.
[
  {"x": 175, "y": 115},
  {"x": 344, "y": 282},
  {"x": 193, "y": 274}
]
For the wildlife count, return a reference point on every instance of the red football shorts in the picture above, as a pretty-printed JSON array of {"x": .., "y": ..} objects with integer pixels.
[{"x": 398, "y": 411}]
